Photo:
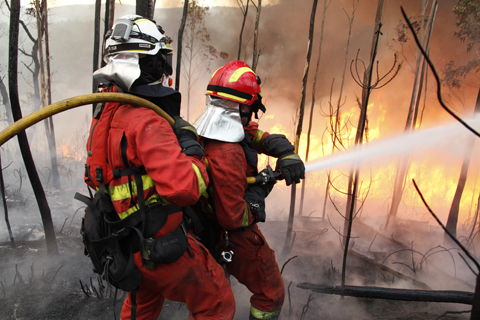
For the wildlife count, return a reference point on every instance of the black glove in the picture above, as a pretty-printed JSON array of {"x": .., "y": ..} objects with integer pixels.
[
  {"x": 291, "y": 167},
  {"x": 255, "y": 196},
  {"x": 187, "y": 137}
]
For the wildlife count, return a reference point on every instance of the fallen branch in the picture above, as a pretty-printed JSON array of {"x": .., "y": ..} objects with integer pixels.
[{"x": 450, "y": 296}]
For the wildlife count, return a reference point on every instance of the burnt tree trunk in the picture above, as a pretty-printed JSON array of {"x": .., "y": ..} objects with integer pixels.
[
  {"x": 22, "y": 137},
  {"x": 108, "y": 21},
  {"x": 301, "y": 111},
  {"x": 455, "y": 207},
  {"x": 47, "y": 91},
  {"x": 256, "y": 53},
  {"x": 145, "y": 8},
  {"x": 447, "y": 296},
  {"x": 245, "y": 13},
  {"x": 403, "y": 161},
  {"x": 302, "y": 194},
  {"x": 354, "y": 174},
  {"x": 6, "y": 102},
  {"x": 5, "y": 208},
  {"x": 180, "y": 45}
]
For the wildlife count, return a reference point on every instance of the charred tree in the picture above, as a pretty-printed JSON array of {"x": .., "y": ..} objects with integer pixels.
[
  {"x": 455, "y": 207},
  {"x": 335, "y": 124},
  {"x": 256, "y": 51},
  {"x": 108, "y": 21},
  {"x": 96, "y": 46},
  {"x": 325, "y": 7},
  {"x": 180, "y": 45},
  {"x": 22, "y": 137},
  {"x": 5, "y": 208},
  {"x": 466, "y": 12},
  {"x": 42, "y": 29},
  {"x": 301, "y": 111},
  {"x": 6, "y": 102},
  {"x": 367, "y": 84},
  {"x": 403, "y": 160},
  {"x": 448, "y": 296},
  {"x": 145, "y": 8},
  {"x": 244, "y": 8}
]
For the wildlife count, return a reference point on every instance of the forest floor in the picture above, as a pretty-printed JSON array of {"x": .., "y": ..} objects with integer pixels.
[{"x": 35, "y": 285}]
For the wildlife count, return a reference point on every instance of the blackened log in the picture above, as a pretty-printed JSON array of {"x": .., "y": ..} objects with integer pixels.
[{"x": 448, "y": 296}]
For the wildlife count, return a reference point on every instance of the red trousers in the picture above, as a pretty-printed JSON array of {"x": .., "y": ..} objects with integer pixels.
[
  {"x": 199, "y": 282},
  {"x": 254, "y": 265}
]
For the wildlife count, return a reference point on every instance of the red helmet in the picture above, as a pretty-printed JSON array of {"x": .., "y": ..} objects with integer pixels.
[{"x": 235, "y": 81}]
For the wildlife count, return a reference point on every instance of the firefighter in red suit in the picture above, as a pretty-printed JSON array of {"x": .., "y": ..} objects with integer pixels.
[
  {"x": 232, "y": 143},
  {"x": 138, "y": 58}
]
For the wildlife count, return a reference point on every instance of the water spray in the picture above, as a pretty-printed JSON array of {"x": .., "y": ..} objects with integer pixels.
[{"x": 407, "y": 143}]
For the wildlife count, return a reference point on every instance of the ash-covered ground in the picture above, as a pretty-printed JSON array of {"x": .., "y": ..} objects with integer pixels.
[{"x": 35, "y": 285}]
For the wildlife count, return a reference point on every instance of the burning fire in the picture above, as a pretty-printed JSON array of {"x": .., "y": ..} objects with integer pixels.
[
  {"x": 69, "y": 150},
  {"x": 435, "y": 172}
]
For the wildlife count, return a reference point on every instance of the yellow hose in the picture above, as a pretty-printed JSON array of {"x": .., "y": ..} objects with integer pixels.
[
  {"x": 39, "y": 115},
  {"x": 86, "y": 99}
]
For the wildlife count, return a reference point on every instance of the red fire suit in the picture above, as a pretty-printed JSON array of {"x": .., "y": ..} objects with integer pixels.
[
  {"x": 253, "y": 262},
  {"x": 195, "y": 278}
]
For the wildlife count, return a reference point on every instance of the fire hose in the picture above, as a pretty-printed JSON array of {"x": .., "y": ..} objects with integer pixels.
[{"x": 86, "y": 99}]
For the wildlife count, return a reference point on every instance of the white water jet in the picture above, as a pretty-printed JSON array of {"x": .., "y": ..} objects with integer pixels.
[{"x": 451, "y": 136}]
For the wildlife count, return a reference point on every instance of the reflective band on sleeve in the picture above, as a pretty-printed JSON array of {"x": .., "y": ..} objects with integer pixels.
[
  {"x": 201, "y": 182},
  {"x": 245, "y": 216},
  {"x": 263, "y": 314},
  {"x": 122, "y": 191},
  {"x": 238, "y": 73},
  {"x": 256, "y": 140}
]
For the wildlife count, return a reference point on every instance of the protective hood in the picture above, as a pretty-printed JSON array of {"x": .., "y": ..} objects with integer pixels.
[
  {"x": 122, "y": 69},
  {"x": 220, "y": 121}
]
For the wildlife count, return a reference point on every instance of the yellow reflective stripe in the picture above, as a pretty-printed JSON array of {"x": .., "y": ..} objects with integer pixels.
[
  {"x": 122, "y": 191},
  {"x": 231, "y": 96},
  {"x": 201, "y": 182},
  {"x": 238, "y": 73},
  {"x": 292, "y": 156},
  {"x": 136, "y": 207},
  {"x": 245, "y": 216},
  {"x": 256, "y": 140},
  {"x": 263, "y": 314}
]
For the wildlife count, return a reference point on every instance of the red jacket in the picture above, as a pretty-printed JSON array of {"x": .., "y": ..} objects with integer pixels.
[
  {"x": 228, "y": 170},
  {"x": 151, "y": 143}
]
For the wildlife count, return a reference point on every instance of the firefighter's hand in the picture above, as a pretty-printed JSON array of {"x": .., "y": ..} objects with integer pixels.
[
  {"x": 291, "y": 167},
  {"x": 255, "y": 197},
  {"x": 187, "y": 137}
]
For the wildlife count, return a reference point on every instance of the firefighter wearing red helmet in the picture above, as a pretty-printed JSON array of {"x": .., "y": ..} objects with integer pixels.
[
  {"x": 154, "y": 172},
  {"x": 232, "y": 143}
]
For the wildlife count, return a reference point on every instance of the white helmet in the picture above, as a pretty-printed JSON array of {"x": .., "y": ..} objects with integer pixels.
[
  {"x": 131, "y": 37},
  {"x": 134, "y": 33}
]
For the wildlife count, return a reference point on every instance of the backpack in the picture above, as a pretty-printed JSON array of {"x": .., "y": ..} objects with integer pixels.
[{"x": 111, "y": 251}]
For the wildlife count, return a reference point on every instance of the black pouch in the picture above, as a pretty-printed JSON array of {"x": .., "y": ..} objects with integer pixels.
[{"x": 169, "y": 248}]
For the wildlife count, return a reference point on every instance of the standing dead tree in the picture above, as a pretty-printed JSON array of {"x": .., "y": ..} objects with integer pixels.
[
  {"x": 467, "y": 21},
  {"x": 180, "y": 45},
  {"x": 336, "y": 126},
  {"x": 41, "y": 14},
  {"x": 314, "y": 89},
  {"x": 301, "y": 111},
  {"x": 244, "y": 8},
  {"x": 145, "y": 8},
  {"x": 256, "y": 50},
  {"x": 411, "y": 122},
  {"x": 45, "y": 213},
  {"x": 367, "y": 84}
]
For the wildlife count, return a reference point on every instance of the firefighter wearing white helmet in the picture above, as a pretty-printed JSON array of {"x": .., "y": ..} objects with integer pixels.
[
  {"x": 136, "y": 50},
  {"x": 151, "y": 174}
]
